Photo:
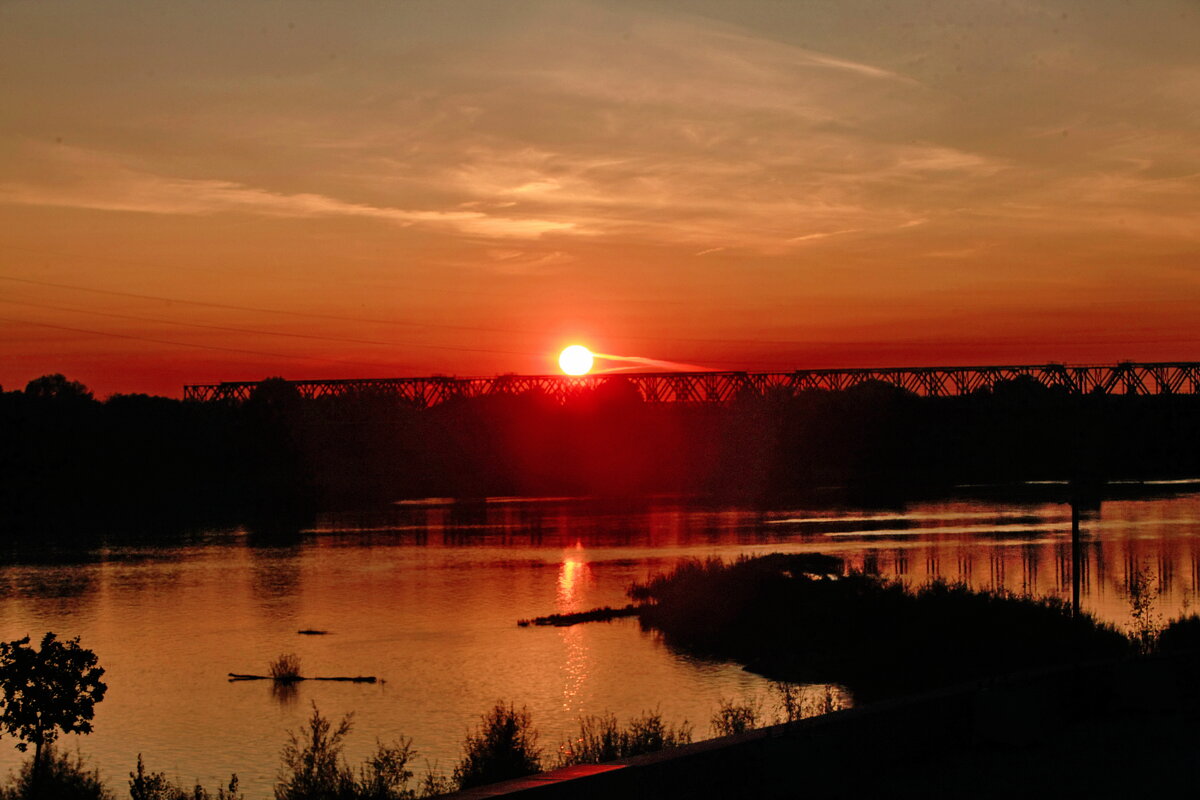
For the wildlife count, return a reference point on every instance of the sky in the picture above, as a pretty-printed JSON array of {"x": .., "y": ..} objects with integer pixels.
[{"x": 193, "y": 191}]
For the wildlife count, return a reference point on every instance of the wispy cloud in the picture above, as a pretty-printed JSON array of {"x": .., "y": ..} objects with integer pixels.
[{"x": 97, "y": 181}]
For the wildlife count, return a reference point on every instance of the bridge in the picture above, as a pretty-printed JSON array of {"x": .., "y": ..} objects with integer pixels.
[{"x": 1127, "y": 377}]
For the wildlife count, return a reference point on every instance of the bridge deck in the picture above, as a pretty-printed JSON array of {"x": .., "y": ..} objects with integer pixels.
[{"x": 722, "y": 387}]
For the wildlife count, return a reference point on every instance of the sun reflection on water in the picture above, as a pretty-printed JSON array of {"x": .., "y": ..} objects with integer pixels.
[{"x": 574, "y": 579}]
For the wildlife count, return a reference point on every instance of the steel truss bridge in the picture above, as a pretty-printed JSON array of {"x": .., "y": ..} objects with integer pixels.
[{"x": 1127, "y": 378}]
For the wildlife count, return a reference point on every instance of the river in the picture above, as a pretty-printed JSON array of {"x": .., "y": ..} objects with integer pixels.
[{"x": 426, "y": 596}]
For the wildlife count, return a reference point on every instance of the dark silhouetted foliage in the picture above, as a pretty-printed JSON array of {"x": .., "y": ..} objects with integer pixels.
[
  {"x": 314, "y": 768},
  {"x": 503, "y": 747},
  {"x": 1180, "y": 635},
  {"x": 272, "y": 461},
  {"x": 57, "y": 387},
  {"x": 145, "y": 785},
  {"x": 776, "y": 615},
  {"x": 62, "y": 776},
  {"x": 47, "y": 691},
  {"x": 602, "y": 739}
]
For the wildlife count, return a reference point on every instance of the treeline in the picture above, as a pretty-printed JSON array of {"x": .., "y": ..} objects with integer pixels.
[{"x": 62, "y": 449}]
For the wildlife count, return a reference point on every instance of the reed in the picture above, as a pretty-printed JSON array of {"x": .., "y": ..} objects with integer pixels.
[{"x": 286, "y": 668}]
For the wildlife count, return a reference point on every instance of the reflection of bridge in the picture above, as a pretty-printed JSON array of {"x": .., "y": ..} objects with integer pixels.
[{"x": 719, "y": 387}]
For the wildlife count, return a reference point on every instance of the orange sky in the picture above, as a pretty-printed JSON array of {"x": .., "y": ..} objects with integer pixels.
[{"x": 204, "y": 191}]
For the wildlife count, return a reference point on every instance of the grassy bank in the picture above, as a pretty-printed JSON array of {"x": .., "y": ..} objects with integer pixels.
[{"x": 797, "y": 618}]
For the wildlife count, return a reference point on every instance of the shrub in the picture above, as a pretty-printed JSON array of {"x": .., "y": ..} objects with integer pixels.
[
  {"x": 156, "y": 786},
  {"x": 795, "y": 701},
  {"x": 734, "y": 717},
  {"x": 1181, "y": 634},
  {"x": 385, "y": 775},
  {"x": 62, "y": 776},
  {"x": 314, "y": 768},
  {"x": 602, "y": 739},
  {"x": 504, "y": 747},
  {"x": 286, "y": 668}
]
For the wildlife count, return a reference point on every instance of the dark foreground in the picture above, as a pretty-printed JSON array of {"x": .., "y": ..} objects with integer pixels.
[{"x": 1115, "y": 728}]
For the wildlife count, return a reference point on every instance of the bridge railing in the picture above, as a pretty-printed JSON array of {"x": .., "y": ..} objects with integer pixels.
[{"x": 723, "y": 387}]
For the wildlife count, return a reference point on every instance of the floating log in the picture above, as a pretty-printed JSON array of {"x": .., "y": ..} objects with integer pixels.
[
  {"x": 236, "y": 676},
  {"x": 595, "y": 615}
]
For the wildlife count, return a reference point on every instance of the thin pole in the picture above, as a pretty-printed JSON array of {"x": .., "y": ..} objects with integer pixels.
[{"x": 1075, "y": 556}]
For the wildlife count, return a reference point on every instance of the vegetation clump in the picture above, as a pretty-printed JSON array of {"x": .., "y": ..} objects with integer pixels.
[
  {"x": 789, "y": 617},
  {"x": 286, "y": 668},
  {"x": 45, "y": 692},
  {"x": 504, "y": 746},
  {"x": 315, "y": 769},
  {"x": 602, "y": 614},
  {"x": 145, "y": 785},
  {"x": 1180, "y": 635},
  {"x": 61, "y": 776},
  {"x": 602, "y": 739},
  {"x": 734, "y": 717}
]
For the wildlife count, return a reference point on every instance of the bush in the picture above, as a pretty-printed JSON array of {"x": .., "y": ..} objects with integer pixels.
[
  {"x": 734, "y": 717},
  {"x": 504, "y": 747},
  {"x": 314, "y": 768},
  {"x": 156, "y": 786},
  {"x": 63, "y": 777},
  {"x": 602, "y": 739},
  {"x": 286, "y": 668},
  {"x": 1180, "y": 634}
]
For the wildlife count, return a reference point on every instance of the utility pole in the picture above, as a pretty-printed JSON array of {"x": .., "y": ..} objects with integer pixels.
[{"x": 1076, "y": 556}]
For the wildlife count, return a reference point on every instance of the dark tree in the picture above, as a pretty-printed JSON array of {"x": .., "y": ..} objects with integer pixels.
[
  {"x": 57, "y": 387},
  {"x": 47, "y": 691}
]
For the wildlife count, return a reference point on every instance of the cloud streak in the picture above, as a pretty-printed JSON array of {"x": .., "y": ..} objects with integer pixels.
[{"x": 98, "y": 182}]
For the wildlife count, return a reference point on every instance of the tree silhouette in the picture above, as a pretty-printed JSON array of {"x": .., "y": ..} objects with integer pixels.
[
  {"x": 57, "y": 386},
  {"x": 47, "y": 691}
]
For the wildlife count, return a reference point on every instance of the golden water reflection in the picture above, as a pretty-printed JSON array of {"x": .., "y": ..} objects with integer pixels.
[
  {"x": 427, "y": 597},
  {"x": 574, "y": 579}
]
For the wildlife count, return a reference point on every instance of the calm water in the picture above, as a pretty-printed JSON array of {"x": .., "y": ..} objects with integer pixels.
[{"x": 427, "y": 597}]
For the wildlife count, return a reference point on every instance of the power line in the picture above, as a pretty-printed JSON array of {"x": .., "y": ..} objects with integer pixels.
[
  {"x": 406, "y": 323},
  {"x": 257, "y": 332},
  {"x": 202, "y": 346},
  {"x": 231, "y": 307}
]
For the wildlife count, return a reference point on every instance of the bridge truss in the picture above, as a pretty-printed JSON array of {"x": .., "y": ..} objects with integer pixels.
[{"x": 1127, "y": 377}]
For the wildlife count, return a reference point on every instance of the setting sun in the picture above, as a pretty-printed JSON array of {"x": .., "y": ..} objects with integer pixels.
[{"x": 575, "y": 360}]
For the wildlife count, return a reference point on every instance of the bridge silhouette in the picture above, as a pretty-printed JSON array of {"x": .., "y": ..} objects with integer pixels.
[{"x": 1127, "y": 377}]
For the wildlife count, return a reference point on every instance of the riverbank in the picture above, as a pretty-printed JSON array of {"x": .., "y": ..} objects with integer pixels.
[
  {"x": 798, "y": 618},
  {"x": 1116, "y": 728}
]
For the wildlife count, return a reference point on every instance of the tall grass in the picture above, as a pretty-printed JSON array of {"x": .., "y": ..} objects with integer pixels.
[
  {"x": 736, "y": 717},
  {"x": 602, "y": 739}
]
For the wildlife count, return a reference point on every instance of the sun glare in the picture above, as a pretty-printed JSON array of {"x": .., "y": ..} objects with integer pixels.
[{"x": 575, "y": 360}]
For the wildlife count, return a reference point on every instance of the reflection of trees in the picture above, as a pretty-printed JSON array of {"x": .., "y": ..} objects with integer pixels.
[
  {"x": 275, "y": 575},
  {"x": 66, "y": 590}
]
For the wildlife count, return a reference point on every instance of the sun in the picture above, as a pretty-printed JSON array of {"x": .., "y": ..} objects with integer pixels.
[{"x": 575, "y": 360}]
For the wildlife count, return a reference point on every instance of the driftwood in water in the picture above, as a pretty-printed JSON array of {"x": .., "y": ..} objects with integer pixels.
[
  {"x": 234, "y": 676},
  {"x": 595, "y": 615}
]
